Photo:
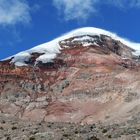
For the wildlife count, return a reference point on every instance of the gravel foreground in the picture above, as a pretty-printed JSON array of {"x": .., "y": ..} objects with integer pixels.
[{"x": 12, "y": 128}]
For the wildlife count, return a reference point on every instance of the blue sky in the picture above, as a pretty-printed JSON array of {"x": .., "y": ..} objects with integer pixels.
[{"x": 27, "y": 23}]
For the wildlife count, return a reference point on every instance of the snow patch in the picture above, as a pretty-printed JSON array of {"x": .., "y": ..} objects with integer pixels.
[
  {"x": 89, "y": 44},
  {"x": 83, "y": 38},
  {"x": 21, "y": 58},
  {"x": 46, "y": 58}
]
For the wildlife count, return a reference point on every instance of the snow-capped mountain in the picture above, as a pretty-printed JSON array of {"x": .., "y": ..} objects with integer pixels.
[
  {"x": 86, "y": 76},
  {"x": 84, "y": 37}
]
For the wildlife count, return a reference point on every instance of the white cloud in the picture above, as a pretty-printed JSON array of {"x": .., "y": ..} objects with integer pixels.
[
  {"x": 14, "y": 11},
  {"x": 76, "y": 9},
  {"x": 83, "y": 9}
]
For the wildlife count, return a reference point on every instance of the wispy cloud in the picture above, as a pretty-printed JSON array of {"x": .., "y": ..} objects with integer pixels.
[
  {"x": 125, "y": 3},
  {"x": 76, "y": 9},
  {"x": 14, "y": 11},
  {"x": 79, "y": 9}
]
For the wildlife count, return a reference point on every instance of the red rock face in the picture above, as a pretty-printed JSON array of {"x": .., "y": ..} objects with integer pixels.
[{"x": 83, "y": 84}]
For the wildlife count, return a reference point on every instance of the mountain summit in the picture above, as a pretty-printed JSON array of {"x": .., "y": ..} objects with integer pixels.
[
  {"x": 86, "y": 76},
  {"x": 83, "y": 37}
]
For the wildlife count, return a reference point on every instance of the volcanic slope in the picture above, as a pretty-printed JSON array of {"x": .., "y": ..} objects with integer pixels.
[{"x": 86, "y": 76}]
